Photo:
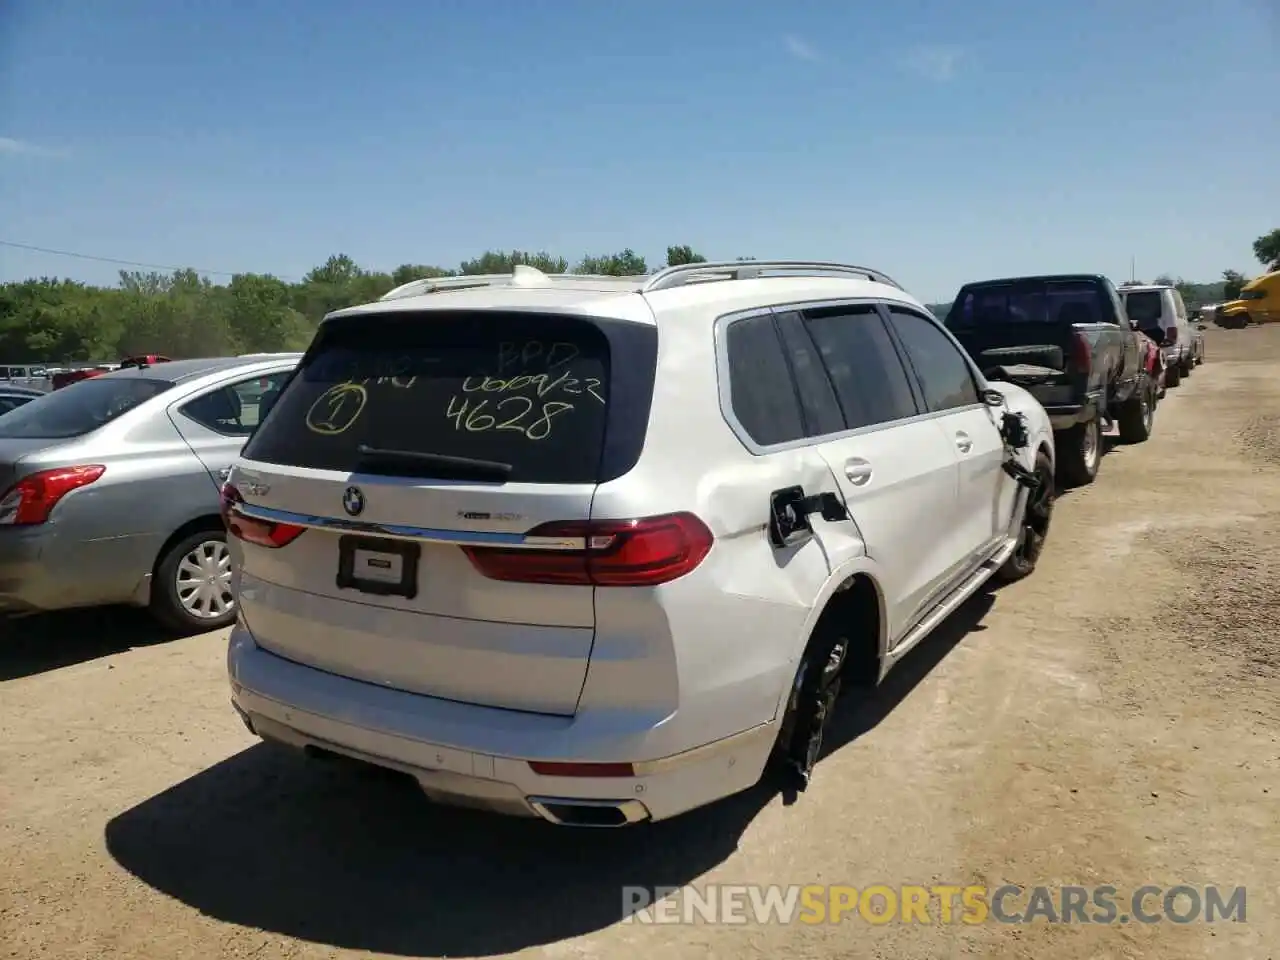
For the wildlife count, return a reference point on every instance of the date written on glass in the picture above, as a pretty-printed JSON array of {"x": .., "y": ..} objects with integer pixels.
[{"x": 533, "y": 387}]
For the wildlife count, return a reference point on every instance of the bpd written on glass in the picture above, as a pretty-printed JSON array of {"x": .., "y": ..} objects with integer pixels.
[{"x": 534, "y": 385}]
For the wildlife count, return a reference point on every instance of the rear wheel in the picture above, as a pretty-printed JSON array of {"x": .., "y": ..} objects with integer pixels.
[
  {"x": 1081, "y": 449},
  {"x": 1137, "y": 414},
  {"x": 1035, "y": 525},
  {"x": 191, "y": 589},
  {"x": 1173, "y": 375},
  {"x": 811, "y": 705}
]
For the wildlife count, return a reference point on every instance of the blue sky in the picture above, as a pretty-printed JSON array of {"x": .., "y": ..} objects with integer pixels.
[{"x": 938, "y": 140}]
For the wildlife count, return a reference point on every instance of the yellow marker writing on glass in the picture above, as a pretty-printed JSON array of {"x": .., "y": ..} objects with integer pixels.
[{"x": 337, "y": 409}]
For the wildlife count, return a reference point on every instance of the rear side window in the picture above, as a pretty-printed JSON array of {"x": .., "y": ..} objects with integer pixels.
[
  {"x": 818, "y": 403},
  {"x": 79, "y": 408},
  {"x": 236, "y": 409},
  {"x": 869, "y": 378},
  {"x": 761, "y": 392},
  {"x": 941, "y": 367},
  {"x": 423, "y": 394},
  {"x": 10, "y": 403}
]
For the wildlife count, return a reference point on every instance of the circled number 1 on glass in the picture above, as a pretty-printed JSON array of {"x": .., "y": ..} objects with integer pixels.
[{"x": 510, "y": 413}]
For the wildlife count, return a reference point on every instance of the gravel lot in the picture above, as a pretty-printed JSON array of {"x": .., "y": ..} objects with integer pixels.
[{"x": 1114, "y": 719}]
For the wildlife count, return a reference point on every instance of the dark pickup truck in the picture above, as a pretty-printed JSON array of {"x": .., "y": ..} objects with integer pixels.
[{"x": 1068, "y": 341}]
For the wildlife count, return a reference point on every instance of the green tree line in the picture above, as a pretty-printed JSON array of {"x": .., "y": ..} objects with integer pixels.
[{"x": 185, "y": 314}]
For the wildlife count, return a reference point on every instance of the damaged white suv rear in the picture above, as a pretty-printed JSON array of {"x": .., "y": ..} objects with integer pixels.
[{"x": 603, "y": 550}]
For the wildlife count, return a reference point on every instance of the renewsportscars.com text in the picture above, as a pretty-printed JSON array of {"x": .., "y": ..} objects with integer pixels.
[{"x": 934, "y": 904}]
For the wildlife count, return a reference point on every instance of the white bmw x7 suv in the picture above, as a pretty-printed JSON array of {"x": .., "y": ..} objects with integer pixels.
[{"x": 602, "y": 549}]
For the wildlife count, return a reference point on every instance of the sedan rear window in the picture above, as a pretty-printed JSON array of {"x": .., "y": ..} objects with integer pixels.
[
  {"x": 434, "y": 394},
  {"x": 79, "y": 408}
]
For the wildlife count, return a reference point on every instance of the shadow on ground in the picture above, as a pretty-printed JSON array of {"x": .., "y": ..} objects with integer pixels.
[
  {"x": 311, "y": 850},
  {"x": 36, "y": 644}
]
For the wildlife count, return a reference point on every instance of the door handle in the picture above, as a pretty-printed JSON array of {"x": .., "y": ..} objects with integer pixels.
[
  {"x": 964, "y": 443},
  {"x": 858, "y": 471}
]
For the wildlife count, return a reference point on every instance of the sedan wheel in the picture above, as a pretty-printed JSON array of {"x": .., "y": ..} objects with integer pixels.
[
  {"x": 191, "y": 590},
  {"x": 203, "y": 581}
]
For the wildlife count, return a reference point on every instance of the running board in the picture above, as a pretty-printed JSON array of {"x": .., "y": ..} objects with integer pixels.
[{"x": 955, "y": 599}]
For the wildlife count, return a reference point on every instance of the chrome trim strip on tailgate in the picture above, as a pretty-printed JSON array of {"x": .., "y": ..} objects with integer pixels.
[{"x": 477, "y": 538}]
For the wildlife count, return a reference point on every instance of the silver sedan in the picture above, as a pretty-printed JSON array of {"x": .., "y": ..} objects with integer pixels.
[{"x": 109, "y": 488}]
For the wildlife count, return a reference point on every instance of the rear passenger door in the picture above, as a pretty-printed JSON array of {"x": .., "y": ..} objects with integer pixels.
[
  {"x": 985, "y": 493},
  {"x": 896, "y": 470},
  {"x": 216, "y": 422},
  {"x": 776, "y": 394}
]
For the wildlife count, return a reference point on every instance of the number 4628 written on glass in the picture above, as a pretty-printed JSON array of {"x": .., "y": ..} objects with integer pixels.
[{"x": 519, "y": 414}]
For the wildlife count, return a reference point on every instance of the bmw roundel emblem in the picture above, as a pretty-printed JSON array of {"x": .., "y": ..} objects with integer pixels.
[{"x": 353, "y": 501}]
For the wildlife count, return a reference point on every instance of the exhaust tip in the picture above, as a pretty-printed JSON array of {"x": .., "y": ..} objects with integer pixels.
[{"x": 567, "y": 812}]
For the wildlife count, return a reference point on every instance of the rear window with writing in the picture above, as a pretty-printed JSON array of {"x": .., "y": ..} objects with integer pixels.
[{"x": 528, "y": 390}]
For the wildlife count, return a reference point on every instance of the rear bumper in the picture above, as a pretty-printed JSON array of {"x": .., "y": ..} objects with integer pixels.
[
  {"x": 479, "y": 756},
  {"x": 28, "y": 582},
  {"x": 42, "y": 569}
]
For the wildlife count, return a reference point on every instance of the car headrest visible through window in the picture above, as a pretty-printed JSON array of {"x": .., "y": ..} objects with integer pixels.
[
  {"x": 269, "y": 398},
  {"x": 221, "y": 406}
]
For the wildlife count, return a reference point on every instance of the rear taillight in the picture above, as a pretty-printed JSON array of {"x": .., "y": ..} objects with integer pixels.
[
  {"x": 264, "y": 533},
  {"x": 33, "y": 498},
  {"x": 1081, "y": 351},
  {"x": 613, "y": 553}
]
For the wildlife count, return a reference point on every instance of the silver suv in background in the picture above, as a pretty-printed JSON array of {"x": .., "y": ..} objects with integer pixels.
[
  {"x": 109, "y": 488},
  {"x": 1159, "y": 311}
]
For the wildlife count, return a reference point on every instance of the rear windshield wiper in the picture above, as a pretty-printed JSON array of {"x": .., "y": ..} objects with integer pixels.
[{"x": 436, "y": 465}]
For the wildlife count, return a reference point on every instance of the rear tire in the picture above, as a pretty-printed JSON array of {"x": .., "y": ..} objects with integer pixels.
[
  {"x": 1188, "y": 367},
  {"x": 191, "y": 588},
  {"x": 1172, "y": 376},
  {"x": 1034, "y": 529},
  {"x": 1080, "y": 453},
  {"x": 1137, "y": 414},
  {"x": 810, "y": 706}
]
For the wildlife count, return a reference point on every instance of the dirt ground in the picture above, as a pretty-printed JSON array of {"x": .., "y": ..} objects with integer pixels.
[{"x": 1114, "y": 719}]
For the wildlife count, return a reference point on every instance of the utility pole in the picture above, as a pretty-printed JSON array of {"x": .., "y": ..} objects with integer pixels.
[{"x": 1133, "y": 275}]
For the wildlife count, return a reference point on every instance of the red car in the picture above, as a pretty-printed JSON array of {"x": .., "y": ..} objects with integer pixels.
[
  {"x": 1153, "y": 362},
  {"x": 143, "y": 360},
  {"x": 68, "y": 377}
]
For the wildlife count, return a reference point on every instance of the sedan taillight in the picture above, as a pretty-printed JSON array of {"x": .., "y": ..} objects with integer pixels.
[{"x": 30, "y": 501}]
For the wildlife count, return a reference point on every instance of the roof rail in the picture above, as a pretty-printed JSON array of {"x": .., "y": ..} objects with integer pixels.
[
  {"x": 522, "y": 275},
  {"x": 684, "y": 273}
]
